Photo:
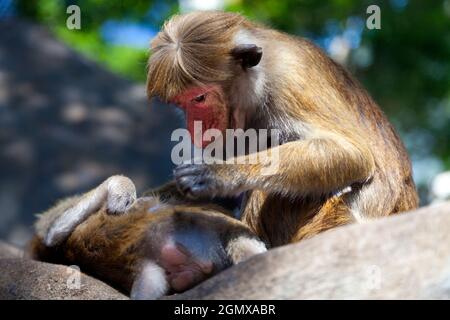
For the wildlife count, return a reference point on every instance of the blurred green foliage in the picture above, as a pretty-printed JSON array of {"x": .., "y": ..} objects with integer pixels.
[{"x": 405, "y": 65}]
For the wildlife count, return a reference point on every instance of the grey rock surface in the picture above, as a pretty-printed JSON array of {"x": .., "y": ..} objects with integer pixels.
[
  {"x": 9, "y": 251},
  {"x": 28, "y": 279}
]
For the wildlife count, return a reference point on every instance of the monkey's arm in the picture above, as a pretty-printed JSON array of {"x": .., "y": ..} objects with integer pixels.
[
  {"x": 314, "y": 166},
  {"x": 56, "y": 224}
]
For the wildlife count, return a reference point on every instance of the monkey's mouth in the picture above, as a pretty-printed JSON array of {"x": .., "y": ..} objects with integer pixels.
[{"x": 199, "y": 121}]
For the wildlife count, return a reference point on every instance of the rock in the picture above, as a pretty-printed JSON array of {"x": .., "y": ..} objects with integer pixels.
[
  {"x": 22, "y": 278},
  {"x": 400, "y": 257},
  {"x": 28, "y": 279},
  {"x": 8, "y": 251}
]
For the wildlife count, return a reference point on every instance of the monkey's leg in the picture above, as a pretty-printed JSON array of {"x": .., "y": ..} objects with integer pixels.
[
  {"x": 57, "y": 224},
  {"x": 317, "y": 166},
  {"x": 151, "y": 282}
]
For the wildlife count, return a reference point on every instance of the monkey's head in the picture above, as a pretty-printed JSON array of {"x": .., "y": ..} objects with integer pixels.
[{"x": 197, "y": 62}]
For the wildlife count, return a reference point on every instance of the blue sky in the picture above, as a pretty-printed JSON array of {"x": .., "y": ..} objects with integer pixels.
[{"x": 128, "y": 33}]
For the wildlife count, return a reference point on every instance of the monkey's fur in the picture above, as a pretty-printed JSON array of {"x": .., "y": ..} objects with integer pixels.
[
  {"x": 151, "y": 249},
  {"x": 340, "y": 160}
]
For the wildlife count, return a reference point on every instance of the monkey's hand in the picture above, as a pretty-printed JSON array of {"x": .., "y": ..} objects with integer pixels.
[{"x": 208, "y": 180}]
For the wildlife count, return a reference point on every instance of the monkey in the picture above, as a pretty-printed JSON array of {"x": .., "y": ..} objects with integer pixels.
[
  {"x": 340, "y": 160},
  {"x": 145, "y": 247}
]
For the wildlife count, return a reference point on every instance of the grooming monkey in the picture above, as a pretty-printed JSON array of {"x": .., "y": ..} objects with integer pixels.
[
  {"x": 145, "y": 247},
  {"x": 340, "y": 160}
]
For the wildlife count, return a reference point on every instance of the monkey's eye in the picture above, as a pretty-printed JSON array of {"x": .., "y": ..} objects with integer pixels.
[{"x": 200, "y": 98}]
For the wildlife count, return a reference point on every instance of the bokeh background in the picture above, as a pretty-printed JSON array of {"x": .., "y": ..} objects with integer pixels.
[{"x": 73, "y": 108}]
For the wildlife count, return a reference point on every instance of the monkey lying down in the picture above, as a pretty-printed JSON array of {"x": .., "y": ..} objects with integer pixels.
[{"x": 144, "y": 247}]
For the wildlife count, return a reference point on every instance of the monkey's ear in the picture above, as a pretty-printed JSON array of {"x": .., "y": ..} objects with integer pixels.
[{"x": 248, "y": 54}]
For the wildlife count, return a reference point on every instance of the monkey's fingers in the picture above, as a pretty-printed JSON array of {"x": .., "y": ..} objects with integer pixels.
[{"x": 197, "y": 181}]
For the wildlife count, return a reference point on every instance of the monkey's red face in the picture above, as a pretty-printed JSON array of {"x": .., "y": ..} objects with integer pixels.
[{"x": 205, "y": 108}]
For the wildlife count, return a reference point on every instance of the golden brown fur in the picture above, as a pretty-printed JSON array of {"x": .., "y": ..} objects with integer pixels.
[
  {"x": 113, "y": 247},
  {"x": 334, "y": 136}
]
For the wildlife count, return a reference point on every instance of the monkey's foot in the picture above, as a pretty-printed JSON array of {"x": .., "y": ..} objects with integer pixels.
[
  {"x": 183, "y": 270},
  {"x": 121, "y": 194}
]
